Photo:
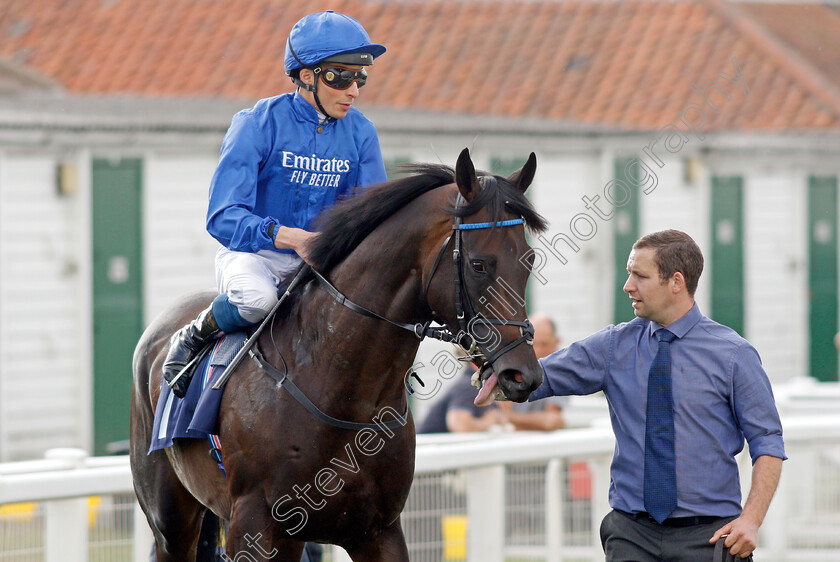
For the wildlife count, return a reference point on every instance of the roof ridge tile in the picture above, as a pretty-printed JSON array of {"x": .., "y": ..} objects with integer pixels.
[{"x": 789, "y": 60}]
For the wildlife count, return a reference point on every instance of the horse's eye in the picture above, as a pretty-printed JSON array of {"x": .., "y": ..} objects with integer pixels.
[{"x": 478, "y": 266}]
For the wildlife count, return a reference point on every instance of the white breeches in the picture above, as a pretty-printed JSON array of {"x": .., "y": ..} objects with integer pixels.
[{"x": 251, "y": 280}]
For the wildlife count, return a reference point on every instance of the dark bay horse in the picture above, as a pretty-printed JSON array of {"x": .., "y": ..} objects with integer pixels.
[{"x": 291, "y": 477}]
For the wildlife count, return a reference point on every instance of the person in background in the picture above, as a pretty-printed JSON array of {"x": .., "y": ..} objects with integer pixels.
[
  {"x": 454, "y": 411},
  {"x": 545, "y": 415}
]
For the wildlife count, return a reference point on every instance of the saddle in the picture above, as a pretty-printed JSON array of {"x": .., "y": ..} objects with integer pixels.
[{"x": 195, "y": 416}]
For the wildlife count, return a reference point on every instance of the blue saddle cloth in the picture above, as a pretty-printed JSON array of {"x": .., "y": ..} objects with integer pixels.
[{"x": 195, "y": 416}]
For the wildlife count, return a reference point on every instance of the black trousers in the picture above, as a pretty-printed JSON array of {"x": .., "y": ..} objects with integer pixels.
[{"x": 626, "y": 538}]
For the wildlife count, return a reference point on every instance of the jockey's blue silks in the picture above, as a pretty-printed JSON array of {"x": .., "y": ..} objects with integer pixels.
[{"x": 279, "y": 166}]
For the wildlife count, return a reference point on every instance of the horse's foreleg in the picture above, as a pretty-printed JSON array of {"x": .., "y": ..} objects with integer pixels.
[
  {"x": 173, "y": 513},
  {"x": 252, "y": 535},
  {"x": 389, "y": 546}
]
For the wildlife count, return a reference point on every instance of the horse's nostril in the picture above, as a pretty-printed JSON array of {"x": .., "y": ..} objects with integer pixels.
[
  {"x": 514, "y": 386},
  {"x": 512, "y": 376}
]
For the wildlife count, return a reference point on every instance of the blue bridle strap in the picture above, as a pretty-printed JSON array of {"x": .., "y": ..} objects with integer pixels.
[{"x": 479, "y": 225}]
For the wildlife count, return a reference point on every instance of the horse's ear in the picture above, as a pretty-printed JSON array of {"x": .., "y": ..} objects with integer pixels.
[
  {"x": 523, "y": 177},
  {"x": 465, "y": 176}
]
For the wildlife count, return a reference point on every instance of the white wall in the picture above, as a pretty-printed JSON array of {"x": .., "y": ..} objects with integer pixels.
[
  {"x": 45, "y": 339},
  {"x": 571, "y": 292},
  {"x": 42, "y": 349},
  {"x": 683, "y": 204},
  {"x": 776, "y": 268},
  {"x": 178, "y": 251}
]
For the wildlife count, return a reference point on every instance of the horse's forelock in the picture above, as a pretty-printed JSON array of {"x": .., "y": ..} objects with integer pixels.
[{"x": 500, "y": 196}]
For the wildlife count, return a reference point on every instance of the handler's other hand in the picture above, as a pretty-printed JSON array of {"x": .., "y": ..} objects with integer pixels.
[{"x": 742, "y": 537}]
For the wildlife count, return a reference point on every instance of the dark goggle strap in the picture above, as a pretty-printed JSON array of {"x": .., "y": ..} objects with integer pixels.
[
  {"x": 363, "y": 59},
  {"x": 337, "y": 78}
]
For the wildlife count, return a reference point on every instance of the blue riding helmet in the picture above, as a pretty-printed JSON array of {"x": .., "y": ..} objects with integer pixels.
[{"x": 329, "y": 36}]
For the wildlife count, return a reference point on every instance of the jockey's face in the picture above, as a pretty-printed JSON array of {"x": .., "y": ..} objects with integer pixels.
[{"x": 336, "y": 102}]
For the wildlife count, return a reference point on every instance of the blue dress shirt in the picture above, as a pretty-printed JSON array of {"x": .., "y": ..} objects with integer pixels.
[{"x": 721, "y": 397}]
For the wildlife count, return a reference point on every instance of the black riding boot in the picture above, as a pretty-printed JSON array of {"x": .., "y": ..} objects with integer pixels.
[{"x": 185, "y": 344}]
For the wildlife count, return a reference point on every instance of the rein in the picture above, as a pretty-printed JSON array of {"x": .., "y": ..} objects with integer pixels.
[
  {"x": 463, "y": 307},
  {"x": 420, "y": 330},
  {"x": 282, "y": 377}
]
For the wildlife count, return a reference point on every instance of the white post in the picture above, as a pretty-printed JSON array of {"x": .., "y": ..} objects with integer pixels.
[
  {"x": 773, "y": 535},
  {"x": 66, "y": 520},
  {"x": 555, "y": 493},
  {"x": 486, "y": 514},
  {"x": 600, "y": 467},
  {"x": 143, "y": 537}
]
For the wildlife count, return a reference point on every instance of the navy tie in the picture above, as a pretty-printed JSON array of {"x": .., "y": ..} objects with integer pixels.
[{"x": 660, "y": 467}]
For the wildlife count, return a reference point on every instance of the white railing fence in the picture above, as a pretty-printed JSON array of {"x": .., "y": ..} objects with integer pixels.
[
  {"x": 70, "y": 507},
  {"x": 487, "y": 497}
]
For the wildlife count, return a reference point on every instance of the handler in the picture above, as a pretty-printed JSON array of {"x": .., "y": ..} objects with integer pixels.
[
  {"x": 684, "y": 392},
  {"x": 282, "y": 162}
]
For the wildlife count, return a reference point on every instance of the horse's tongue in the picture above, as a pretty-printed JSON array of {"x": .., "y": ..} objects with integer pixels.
[{"x": 487, "y": 393}]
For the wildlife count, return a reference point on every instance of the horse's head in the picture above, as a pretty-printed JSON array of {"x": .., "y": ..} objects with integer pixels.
[{"x": 479, "y": 290}]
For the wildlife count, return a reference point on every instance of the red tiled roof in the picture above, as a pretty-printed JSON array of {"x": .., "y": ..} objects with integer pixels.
[
  {"x": 628, "y": 64},
  {"x": 811, "y": 29}
]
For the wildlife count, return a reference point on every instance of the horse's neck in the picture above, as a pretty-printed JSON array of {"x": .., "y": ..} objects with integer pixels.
[{"x": 359, "y": 359}]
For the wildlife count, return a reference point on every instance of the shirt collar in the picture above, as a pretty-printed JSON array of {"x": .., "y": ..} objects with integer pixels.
[
  {"x": 304, "y": 110},
  {"x": 682, "y": 325}
]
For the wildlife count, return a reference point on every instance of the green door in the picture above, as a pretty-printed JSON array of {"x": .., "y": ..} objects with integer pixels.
[
  {"x": 625, "y": 234},
  {"x": 506, "y": 166},
  {"x": 117, "y": 294},
  {"x": 727, "y": 260},
  {"x": 822, "y": 276}
]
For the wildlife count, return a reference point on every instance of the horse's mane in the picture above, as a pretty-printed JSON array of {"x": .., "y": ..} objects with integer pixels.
[{"x": 345, "y": 225}]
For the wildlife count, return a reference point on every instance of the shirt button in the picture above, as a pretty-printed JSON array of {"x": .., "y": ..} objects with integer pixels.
[{"x": 320, "y": 129}]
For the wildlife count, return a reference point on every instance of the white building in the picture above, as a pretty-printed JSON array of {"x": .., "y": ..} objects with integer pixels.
[{"x": 716, "y": 119}]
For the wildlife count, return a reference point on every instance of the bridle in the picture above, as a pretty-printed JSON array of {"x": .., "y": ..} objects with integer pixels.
[{"x": 464, "y": 309}]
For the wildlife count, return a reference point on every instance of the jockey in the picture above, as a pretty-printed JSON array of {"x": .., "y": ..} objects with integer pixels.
[{"x": 282, "y": 162}]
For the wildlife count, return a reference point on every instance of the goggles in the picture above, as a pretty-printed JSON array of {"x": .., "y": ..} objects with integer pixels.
[{"x": 341, "y": 78}]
